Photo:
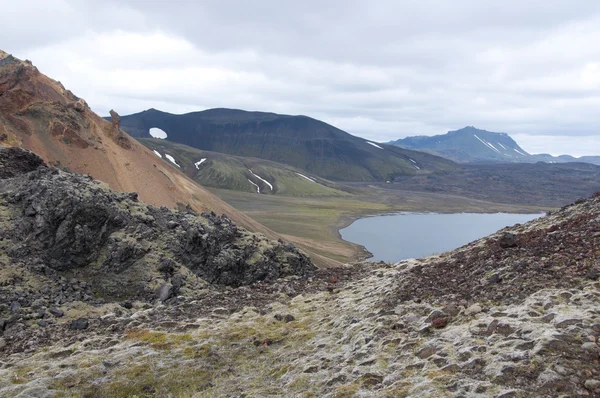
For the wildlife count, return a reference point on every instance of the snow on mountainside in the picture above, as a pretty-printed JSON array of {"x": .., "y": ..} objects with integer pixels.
[
  {"x": 468, "y": 144},
  {"x": 471, "y": 145}
]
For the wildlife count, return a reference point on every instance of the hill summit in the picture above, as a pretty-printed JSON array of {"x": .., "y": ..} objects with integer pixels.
[
  {"x": 468, "y": 144},
  {"x": 299, "y": 141}
]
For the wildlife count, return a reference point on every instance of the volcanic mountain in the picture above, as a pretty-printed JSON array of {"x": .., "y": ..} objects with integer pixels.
[
  {"x": 39, "y": 114},
  {"x": 300, "y": 141},
  {"x": 472, "y": 145}
]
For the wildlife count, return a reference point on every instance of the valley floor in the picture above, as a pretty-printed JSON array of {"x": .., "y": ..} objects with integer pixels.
[{"x": 313, "y": 223}]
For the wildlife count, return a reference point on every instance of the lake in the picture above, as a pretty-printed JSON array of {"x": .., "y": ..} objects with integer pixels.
[{"x": 400, "y": 236}]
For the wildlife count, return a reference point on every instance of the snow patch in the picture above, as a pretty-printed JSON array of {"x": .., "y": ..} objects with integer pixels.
[
  {"x": 412, "y": 160},
  {"x": 486, "y": 143},
  {"x": 502, "y": 146},
  {"x": 417, "y": 167},
  {"x": 493, "y": 147},
  {"x": 374, "y": 144},
  {"x": 308, "y": 178},
  {"x": 197, "y": 164},
  {"x": 262, "y": 179},
  {"x": 172, "y": 160},
  {"x": 517, "y": 151},
  {"x": 157, "y": 153},
  {"x": 155, "y": 132},
  {"x": 257, "y": 187}
]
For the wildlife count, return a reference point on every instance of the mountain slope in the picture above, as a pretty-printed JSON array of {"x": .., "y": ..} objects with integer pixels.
[
  {"x": 39, "y": 114},
  {"x": 218, "y": 170},
  {"x": 468, "y": 145},
  {"x": 298, "y": 141},
  {"x": 472, "y": 145}
]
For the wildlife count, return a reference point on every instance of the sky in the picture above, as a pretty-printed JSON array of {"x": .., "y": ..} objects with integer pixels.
[{"x": 381, "y": 70}]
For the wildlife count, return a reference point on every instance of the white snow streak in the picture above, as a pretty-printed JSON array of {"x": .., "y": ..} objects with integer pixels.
[
  {"x": 412, "y": 160},
  {"x": 157, "y": 153},
  {"x": 308, "y": 178},
  {"x": 502, "y": 146},
  {"x": 172, "y": 159},
  {"x": 197, "y": 164},
  {"x": 374, "y": 144},
  {"x": 517, "y": 151},
  {"x": 417, "y": 167},
  {"x": 155, "y": 132},
  {"x": 257, "y": 187},
  {"x": 262, "y": 179},
  {"x": 486, "y": 144}
]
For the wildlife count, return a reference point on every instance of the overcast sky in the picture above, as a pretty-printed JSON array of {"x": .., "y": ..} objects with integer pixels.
[{"x": 378, "y": 69}]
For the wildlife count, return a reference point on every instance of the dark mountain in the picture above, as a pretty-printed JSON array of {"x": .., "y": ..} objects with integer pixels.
[
  {"x": 299, "y": 141},
  {"x": 468, "y": 144},
  {"x": 472, "y": 145}
]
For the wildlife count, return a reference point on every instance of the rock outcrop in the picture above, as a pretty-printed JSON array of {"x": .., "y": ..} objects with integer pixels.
[{"x": 65, "y": 237}]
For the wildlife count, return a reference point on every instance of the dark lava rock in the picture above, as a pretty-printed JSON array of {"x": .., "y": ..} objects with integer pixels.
[
  {"x": 495, "y": 278},
  {"x": 79, "y": 324},
  {"x": 56, "y": 312},
  {"x": 69, "y": 222},
  {"x": 17, "y": 161},
  {"x": 289, "y": 318},
  {"x": 507, "y": 240},
  {"x": 126, "y": 304}
]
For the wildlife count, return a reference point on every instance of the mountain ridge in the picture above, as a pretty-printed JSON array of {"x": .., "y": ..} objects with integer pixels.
[
  {"x": 473, "y": 145},
  {"x": 299, "y": 141}
]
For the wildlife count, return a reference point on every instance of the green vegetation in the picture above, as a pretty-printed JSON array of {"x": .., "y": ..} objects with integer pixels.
[
  {"x": 313, "y": 223},
  {"x": 233, "y": 172}
]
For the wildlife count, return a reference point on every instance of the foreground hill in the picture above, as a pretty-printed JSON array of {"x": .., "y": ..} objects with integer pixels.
[
  {"x": 514, "y": 314},
  {"x": 299, "y": 141},
  {"x": 218, "y": 170},
  {"x": 472, "y": 145},
  {"x": 38, "y": 113}
]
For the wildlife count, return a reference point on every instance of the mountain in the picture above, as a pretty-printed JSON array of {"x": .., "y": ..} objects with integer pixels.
[
  {"x": 299, "y": 141},
  {"x": 472, "y": 145},
  {"x": 468, "y": 145},
  {"x": 134, "y": 300},
  {"x": 39, "y": 114},
  {"x": 218, "y": 170}
]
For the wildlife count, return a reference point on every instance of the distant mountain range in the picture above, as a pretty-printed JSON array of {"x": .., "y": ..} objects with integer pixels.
[
  {"x": 299, "y": 141},
  {"x": 472, "y": 145}
]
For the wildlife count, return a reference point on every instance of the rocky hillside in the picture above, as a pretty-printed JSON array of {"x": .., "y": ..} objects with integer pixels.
[
  {"x": 515, "y": 314},
  {"x": 66, "y": 237},
  {"x": 40, "y": 114},
  {"x": 299, "y": 141}
]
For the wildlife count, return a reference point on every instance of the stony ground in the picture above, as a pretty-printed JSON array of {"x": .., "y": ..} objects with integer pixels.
[{"x": 516, "y": 314}]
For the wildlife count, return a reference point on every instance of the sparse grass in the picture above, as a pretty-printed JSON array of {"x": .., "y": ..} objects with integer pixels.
[{"x": 158, "y": 340}]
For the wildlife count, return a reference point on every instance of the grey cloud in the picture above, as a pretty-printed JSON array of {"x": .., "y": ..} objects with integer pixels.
[{"x": 381, "y": 69}]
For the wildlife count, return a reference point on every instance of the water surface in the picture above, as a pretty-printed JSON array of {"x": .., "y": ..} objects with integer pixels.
[{"x": 412, "y": 235}]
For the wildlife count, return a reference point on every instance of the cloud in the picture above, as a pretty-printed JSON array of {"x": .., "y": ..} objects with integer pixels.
[{"x": 382, "y": 69}]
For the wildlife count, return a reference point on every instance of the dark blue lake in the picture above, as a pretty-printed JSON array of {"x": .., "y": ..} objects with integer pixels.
[{"x": 412, "y": 235}]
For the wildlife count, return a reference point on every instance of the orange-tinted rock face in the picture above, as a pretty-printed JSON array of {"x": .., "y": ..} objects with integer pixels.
[{"x": 39, "y": 114}]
